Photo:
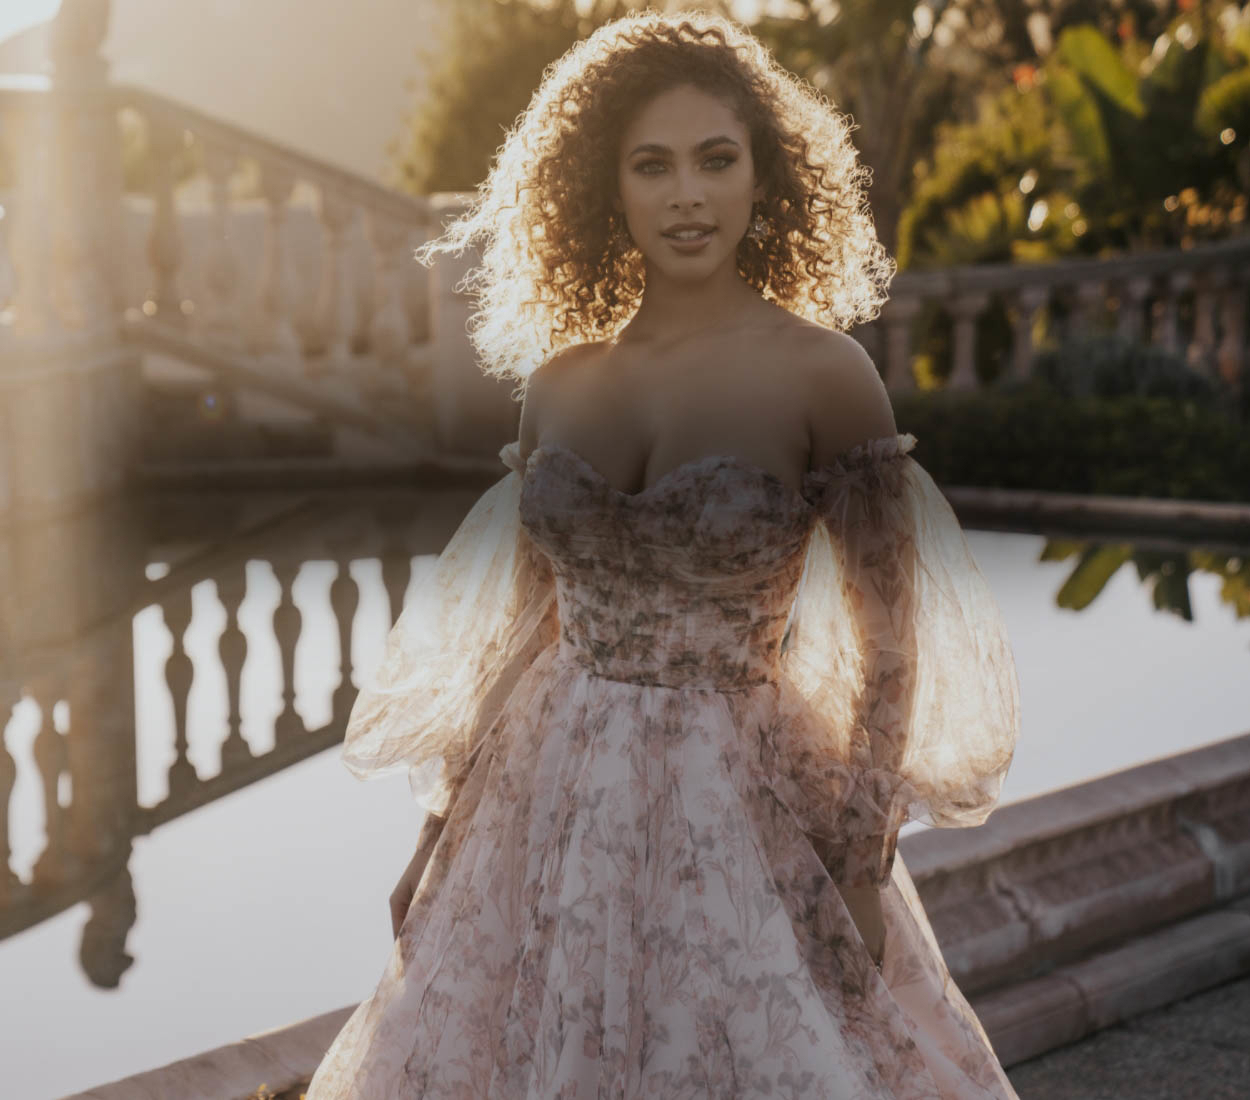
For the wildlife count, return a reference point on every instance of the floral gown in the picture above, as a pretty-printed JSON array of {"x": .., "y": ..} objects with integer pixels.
[{"x": 661, "y": 726}]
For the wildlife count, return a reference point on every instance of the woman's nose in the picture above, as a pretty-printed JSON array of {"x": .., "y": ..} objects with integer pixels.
[{"x": 688, "y": 190}]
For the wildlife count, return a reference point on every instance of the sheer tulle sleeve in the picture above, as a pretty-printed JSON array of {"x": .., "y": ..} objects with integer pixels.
[
  {"x": 907, "y": 691},
  {"x": 477, "y": 619}
]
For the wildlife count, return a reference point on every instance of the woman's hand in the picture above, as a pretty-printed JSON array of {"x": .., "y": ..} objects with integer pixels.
[
  {"x": 864, "y": 905},
  {"x": 401, "y": 896}
]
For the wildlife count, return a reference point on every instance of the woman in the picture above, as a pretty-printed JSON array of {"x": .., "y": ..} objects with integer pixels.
[{"x": 680, "y": 676}]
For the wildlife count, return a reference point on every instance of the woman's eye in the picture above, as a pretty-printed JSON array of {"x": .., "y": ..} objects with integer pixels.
[
  {"x": 646, "y": 166},
  {"x": 725, "y": 162}
]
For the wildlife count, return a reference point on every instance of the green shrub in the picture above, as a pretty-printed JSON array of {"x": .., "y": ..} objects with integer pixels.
[
  {"x": 1030, "y": 436},
  {"x": 1106, "y": 365}
]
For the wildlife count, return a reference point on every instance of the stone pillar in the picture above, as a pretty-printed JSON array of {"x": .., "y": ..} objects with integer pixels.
[
  {"x": 68, "y": 384},
  {"x": 965, "y": 309},
  {"x": 897, "y": 316}
]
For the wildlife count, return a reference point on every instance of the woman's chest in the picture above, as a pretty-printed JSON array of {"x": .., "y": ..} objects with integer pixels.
[{"x": 636, "y": 423}]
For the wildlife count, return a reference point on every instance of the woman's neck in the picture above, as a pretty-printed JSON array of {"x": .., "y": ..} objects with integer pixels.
[{"x": 672, "y": 309}]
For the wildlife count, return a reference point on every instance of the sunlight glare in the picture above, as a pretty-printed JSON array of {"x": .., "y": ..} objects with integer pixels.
[{"x": 17, "y": 15}]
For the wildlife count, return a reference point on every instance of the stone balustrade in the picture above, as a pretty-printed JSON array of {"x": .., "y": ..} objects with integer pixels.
[{"x": 1141, "y": 297}]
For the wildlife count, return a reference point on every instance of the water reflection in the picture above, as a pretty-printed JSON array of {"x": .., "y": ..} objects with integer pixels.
[
  {"x": 108, "y": 736},
  {"x": 79, "y": 590}
]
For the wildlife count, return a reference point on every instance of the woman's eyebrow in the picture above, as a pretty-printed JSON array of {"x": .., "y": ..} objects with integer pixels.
[{"x": 706, "y": 143}]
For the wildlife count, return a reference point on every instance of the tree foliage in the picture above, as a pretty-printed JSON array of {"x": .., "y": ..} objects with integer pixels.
[
  {"x": 479, "y": 75},
  {"x": 1104, "y": 146}
]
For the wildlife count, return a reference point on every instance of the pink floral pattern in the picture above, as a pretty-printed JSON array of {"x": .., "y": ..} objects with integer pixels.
[{"x": 664, "y": 727}]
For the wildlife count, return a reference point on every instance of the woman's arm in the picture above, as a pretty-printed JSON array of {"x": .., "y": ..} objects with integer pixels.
[{"x": 401, "y": 897}]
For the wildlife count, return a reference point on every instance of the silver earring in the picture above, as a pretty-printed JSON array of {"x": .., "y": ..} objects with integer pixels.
[{"x": 759, "y": 228}]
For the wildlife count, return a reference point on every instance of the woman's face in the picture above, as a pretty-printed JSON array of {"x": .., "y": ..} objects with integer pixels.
[{"x": 685, "y": 158}]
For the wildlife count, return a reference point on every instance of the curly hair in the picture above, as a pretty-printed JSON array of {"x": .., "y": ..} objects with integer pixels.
[{"x": 558, "y": 267}]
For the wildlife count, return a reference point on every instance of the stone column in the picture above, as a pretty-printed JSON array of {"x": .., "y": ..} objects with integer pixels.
[{"x": 67, "y": 381}]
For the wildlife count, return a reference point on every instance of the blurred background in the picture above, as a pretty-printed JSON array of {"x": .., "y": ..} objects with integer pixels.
[{"x": 238, "y": 421}]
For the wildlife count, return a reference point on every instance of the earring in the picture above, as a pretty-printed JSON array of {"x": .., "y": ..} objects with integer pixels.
[{"x": 758, "y": 229}]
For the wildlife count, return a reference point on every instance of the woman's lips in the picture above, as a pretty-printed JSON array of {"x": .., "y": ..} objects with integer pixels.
[{"x": 695, "y": 244}]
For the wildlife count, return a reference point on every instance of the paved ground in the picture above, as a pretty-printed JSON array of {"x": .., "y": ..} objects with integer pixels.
[{"x": 1195, "y": 1049}]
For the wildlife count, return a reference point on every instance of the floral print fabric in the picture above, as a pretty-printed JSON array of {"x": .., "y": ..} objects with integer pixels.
[{"x": 665, "y": 727}]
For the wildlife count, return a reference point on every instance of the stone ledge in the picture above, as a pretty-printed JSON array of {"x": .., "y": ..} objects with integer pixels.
[
  {"x": 1038, "y": 509},
  {"x": 278, "y": 1058},
  {"x": 1035, "y": 1016},
  {"x": 1049, "y": 880}
]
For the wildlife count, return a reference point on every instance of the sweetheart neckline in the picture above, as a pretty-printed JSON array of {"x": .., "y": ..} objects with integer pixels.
[{"x": 692, "y": 463}]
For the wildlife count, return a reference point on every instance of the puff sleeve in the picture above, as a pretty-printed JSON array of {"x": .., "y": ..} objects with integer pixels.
[
  {"x": 907, "y": 695},
  {"x": 476, "y": 621}
]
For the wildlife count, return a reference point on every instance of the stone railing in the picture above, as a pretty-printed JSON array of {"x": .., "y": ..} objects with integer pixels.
[{"x": 1141, "y": 297}]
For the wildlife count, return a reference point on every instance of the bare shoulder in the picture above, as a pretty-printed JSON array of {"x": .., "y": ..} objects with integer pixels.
[
  {"x": 845, "y": 396},
  {"x": 543, "y": 383}
]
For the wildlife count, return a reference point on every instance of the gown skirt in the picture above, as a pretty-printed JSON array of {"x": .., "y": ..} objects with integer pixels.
[{"x": 663, "y": 728}]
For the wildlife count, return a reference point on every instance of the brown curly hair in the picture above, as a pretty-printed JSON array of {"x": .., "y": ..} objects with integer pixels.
[{"x": 558, "y": 267}]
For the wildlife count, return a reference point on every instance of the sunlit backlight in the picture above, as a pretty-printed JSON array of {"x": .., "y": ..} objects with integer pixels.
[
  {"x": 922, "y": 17},
  {"x": 17, "y": 15},
  {"x": 1037, "y": 214},
  {"x": 1228, "y": 135}
]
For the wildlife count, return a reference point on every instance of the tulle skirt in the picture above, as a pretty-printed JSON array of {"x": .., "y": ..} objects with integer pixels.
[{"x": 622, "y": 904}]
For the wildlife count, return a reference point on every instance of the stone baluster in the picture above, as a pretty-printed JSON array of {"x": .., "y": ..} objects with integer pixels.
[
  {"x": 179, "y": 672},
  {"x": 164, "y": 246},
  {"x": 232, "y": 647},
  {"x": 1232, "y": 351},
  {"x": 219, "y": 319},
  {"x": 965, "y": 309},
  {"x": 1130, "y": 313},
  {"x": 1166, "y": 333},
  {"x": 287, "y": 620},
  {"x": 273, "y": 331},
  {"x": 335, "y": 322},
  {"x": 1028, "y": 303},
  {"x": 344, "y": 599},
  {"x": 897, "y": 316},
  {"x": 1201, "y": 354},
  {"x": 50, "y": 761},
  {"x": 9, "y": 881},
  {"x": 1089, "y": 304},
  {"x": 396, "y": 576},
  {"x": 389, "y": 330}
]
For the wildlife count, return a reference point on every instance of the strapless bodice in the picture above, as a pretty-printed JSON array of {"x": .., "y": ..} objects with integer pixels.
[{"x": 687, "y": 584}]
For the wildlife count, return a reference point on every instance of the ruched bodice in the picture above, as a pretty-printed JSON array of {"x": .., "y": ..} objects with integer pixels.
[{"x": 691, "y": 597}]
